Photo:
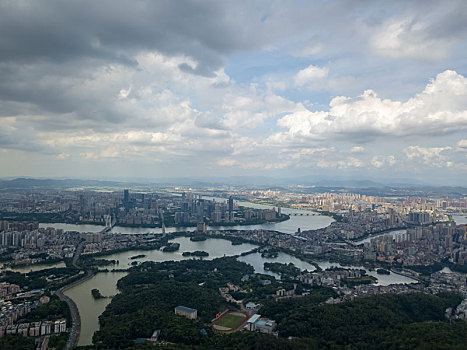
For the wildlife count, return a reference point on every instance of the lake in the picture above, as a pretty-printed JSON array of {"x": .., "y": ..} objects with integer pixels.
[
  {"x": 90, "y": 309},
  {"x": 257, "y": 261},
  {"x": 305, "y": 220},
  {"x": 216, "y": 248}
]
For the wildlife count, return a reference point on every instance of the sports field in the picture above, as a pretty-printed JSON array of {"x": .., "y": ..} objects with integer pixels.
[{"x": 229, "y": 321}]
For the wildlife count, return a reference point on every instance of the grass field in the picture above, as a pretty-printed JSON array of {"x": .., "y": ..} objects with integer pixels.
[{"x": 230, "y": 321}]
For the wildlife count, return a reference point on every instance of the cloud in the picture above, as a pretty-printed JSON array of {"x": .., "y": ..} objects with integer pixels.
[
  {"x": 310, "y": 51},
  {"x": 431, "y": 156},
  {"x": 354, "y": 162},
  {"x": 141, "y": 107},
  {"x": 357, "y": 149},
  {"x": 402, "y": 37},
  {"x": 248, "y": 111},
  {"x": 124, "y": 93},
  {"x": 251, "y": 164},
  {"x": 349, "y": 162},
  {"x": 304, "y": 152},
  {"x": 376, "y": 162},
  {"x": 115, "y": 30},
  {"x": 227, "y": 162},
  {"x": 106, "y": 153},
  {"x": 310, "y": 74},
  {"x": 199, "y": 86},
  {"x": 380, "y": 161},
  {"x": 63, "y": 156},
  {"x": 440, "y": 109}
]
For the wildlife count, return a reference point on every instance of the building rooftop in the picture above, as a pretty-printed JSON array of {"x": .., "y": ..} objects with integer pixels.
[
  {"x": 184, "y": 308},
  {"x": 251, "y": 305},
  {"x": 254, "y": 318}
]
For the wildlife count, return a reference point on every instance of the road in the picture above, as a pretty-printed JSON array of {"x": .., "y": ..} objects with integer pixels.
[
  {"x": 75, "y": 319},
  {"x": 78, "y": 251}
]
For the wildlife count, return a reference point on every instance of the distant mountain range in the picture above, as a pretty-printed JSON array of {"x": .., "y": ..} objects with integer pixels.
[
  {"x": 20, "y": 183},
  {"x": 303, "y": 185}
]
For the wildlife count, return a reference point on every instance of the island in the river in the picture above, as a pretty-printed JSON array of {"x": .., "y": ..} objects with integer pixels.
[
  {"x": 171, "y": 247},
  {"x": 282, "y": 269},
  {"x": 96, "y": 294},
  {"x": 138, "y": 256},
  {"x": 198, "y": 253}
]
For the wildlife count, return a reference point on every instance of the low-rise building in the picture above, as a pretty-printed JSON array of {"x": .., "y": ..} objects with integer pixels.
[
  {"x": 187, "y": 312},
  {"x": 256, "y": 323}
]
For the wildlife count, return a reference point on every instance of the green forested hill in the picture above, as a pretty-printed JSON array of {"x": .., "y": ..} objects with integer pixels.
[{"x": 150, "y": 293}]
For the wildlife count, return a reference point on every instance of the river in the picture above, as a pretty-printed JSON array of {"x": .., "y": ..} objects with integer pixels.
[
  {"x": 460, "y": 219},
  {"x": 90, "y": 309},
  {"x": 216, "y": 248},
  {"x": 388, "y": 233},
  {"x": 305, "y": 220},
  {"x": 257, "y": 261}
]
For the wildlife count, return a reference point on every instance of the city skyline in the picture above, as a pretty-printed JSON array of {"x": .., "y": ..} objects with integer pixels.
[{"x": 317, "y": 89}]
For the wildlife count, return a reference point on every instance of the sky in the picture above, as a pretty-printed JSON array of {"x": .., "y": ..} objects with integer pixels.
[{"x": 285, "y": 89}]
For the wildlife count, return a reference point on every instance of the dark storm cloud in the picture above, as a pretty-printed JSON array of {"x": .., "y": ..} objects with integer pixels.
[
  {"x": 52, "y": 91},
  {"x": 449, "y": 17},
  {"x": 55, "y": 30},
  {"x": 66, "y": 30},
  {"x": 23, "y": 139},
  {"x": 50, "y": 50}
]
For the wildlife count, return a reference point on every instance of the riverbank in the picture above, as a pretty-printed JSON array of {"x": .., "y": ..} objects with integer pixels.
[
  {"x": 282, "y": 218},
  {"x": 44, "y": 262}
]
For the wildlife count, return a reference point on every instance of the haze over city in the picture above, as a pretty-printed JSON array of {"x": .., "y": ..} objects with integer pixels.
[{"x": 168, "y": 89}]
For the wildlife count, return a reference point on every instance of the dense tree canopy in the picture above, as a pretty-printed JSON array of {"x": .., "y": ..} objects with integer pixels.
[
  {"x": 367, "y": 320},
  {"x": 152, "y": 290},
  {"x": 16, "y": 342}
]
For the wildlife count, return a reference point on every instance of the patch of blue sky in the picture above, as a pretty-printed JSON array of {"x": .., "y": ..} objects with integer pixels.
[{"x": 254, "y": 66}]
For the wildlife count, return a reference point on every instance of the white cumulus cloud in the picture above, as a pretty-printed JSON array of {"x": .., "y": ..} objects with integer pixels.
[
  {"x": 357, "y": 149},
  {"x": 431, "y": 156},
  {"x": 441, "y": 108},
  {"x": 310, "y": 74},
  {"x": 462, "y": 144}
]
